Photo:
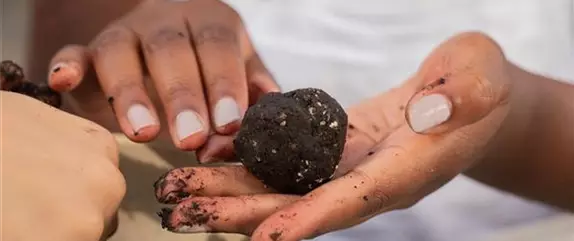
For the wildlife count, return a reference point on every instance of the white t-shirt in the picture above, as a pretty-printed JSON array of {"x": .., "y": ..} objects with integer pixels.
[{"x": 355, "y": 49}]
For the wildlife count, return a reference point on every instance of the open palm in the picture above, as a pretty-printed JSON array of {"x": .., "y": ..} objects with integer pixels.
[{"x": 401, "y": 146}]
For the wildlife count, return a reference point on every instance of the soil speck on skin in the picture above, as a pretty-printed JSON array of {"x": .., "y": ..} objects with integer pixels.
[
  {"x": 275, "y": 236},
  {"x": 298, "y": 139},
  {"x": 365, "y": 198},
  {"x": 164, "y": 214},
  {"x": 441, "y": 81},
  {"x": 195, "y": 206},
  {"x": 435, "y": 83},
  {"x": 370, "y": 153},
  {"x": 194, "y": 215}
]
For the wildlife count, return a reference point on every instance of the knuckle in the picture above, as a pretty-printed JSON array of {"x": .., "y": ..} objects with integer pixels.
[
  {"x": 219, "y": 80},
  {"x": 124, "y": 86},
  {"x": 109, "y": 181},
  {"x": 163, "y": 38},
  {"x": 215, "y": 34},
  {"x": 179, "y": 89},
  {"x": 113, "y": 36},
  {"x": 118, "y": 181},
  {"x": 479, "y": 61},
  {"x": 102, "y": 138},
  {"x": 485, "y": 93}
]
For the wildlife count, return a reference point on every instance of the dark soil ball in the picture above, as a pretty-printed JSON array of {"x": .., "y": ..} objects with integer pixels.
[
  {"x": 11, "y": 74},
  {"x": 294, "y": 141},
  {"x": 12, "y": 79}
]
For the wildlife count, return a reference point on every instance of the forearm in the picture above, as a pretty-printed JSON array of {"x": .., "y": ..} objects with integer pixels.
[
  {"x": 533, "y": 156},
  {"x": 56, "y": 23}
]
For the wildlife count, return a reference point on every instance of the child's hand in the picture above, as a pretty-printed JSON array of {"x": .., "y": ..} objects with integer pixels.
[
  {"x": 203, "y": 72},
  {"x": 60, "y": 176}
]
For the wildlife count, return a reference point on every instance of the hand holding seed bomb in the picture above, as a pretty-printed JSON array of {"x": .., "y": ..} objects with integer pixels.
[{"x": 400, "y": 146}]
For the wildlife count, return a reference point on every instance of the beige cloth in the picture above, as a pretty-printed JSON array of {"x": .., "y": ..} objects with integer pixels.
[{"x": 142, "y": 165}]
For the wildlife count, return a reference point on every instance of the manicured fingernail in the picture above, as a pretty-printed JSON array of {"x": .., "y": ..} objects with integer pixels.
[
  {"x": 139, "y": 117},
  {"x": 428, "y": 112},
  {"x": 187, "y": 123},
  {"x": 226, "y": 111}
]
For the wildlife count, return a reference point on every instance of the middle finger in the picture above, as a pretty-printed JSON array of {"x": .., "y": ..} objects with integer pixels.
[
  {"x": 223, "y": 68},
  {"x": 173, "y": 67}
]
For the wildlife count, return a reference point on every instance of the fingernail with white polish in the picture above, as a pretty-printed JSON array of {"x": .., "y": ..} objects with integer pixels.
[
  {"x": 139, "y": 117},
  {"x": 226, "y": 111},
  {"x": 428, "y": 112},
  {"x": 187, "y": 123},
  {"x": 192, "y": 229}
]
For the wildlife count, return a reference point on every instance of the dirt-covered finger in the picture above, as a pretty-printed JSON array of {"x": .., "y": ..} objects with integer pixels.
[
  {"x": 179, "y": 184},
  {"x": 223, "y": 214}
]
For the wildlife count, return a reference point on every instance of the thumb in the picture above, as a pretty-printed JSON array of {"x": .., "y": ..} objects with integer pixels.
[{"x": 459, "y": 89}]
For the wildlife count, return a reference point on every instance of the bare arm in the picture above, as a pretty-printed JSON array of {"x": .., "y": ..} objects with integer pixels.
[{"x": 534, "y": 154}]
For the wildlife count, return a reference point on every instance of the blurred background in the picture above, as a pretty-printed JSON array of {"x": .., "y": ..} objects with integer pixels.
[{"x": 355, "y": 49}]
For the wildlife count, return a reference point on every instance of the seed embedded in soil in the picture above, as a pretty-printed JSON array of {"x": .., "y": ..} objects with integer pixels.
[{"x": 293, "y": 142}]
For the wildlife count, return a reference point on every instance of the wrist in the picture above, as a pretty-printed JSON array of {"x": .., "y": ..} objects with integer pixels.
[{"x": 532, "y": 153}]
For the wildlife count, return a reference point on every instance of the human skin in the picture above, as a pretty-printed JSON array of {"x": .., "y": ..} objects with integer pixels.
[
  {"x": 163, "y": 64},
  {"x": 60, "y": 176},
  {"x": 519, "y": 144},
  {"x": 507, "y": 128}
]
